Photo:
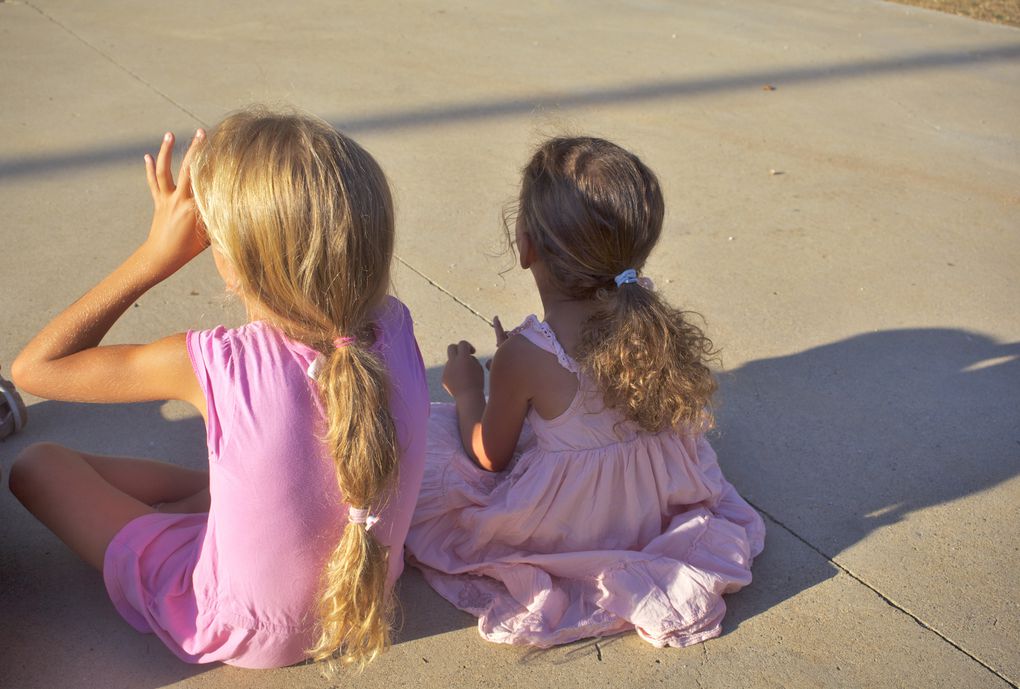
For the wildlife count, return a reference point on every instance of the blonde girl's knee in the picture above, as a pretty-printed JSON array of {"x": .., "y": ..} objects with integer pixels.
[{"x": 32, "y": 465}]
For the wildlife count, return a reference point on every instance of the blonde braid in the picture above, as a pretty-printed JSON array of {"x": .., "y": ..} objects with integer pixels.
[{"x": 355, "y": 610}]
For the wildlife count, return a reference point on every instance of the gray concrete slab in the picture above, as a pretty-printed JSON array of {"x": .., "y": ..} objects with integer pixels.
[{"x": 864, "y": 297}]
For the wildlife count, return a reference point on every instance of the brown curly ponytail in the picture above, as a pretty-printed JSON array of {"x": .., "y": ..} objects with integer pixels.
[{"x": 594, "y": 210}]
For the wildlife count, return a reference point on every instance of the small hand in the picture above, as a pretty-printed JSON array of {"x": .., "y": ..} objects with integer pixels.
[
  {"x": 501, "y": 337},
  {"x": 176, "y": 235},
  {"x": 463, "y": 372}
]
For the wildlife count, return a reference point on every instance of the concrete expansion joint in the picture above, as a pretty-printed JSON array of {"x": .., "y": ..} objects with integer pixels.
[
  {"x": 137, "y": 77},
  {"x": 442, "y": 289},
  {"x": 889, "y": 601}
]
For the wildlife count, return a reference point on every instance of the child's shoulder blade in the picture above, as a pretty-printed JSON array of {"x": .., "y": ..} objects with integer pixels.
[{"x": 553, "y": 379}]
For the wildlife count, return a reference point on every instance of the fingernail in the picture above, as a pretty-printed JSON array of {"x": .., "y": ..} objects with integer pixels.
[
  {"x": 167, "y": 136},
  {"x": 200, "y": 133}
]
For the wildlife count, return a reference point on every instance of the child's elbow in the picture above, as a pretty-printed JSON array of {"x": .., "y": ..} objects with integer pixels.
[
  {"x": 25, "y": 374},
  {"x": 489, "y": 464},
  {"x": 21, "y": 372},
  {"x": 485, "y": 455},
  {"x": 489, "y": 461}
]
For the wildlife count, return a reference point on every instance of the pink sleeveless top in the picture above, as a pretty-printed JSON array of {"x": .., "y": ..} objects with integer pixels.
[{"x": 240, "y": 583}]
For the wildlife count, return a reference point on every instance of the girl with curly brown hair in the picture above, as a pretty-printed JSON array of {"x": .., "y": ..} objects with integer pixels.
[{"x": 581, "y": 498}]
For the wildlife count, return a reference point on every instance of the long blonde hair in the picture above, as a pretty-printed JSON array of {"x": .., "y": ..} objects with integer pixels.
[
  {"x": 594, "y": 210},
  {"x": 305, "y": 218}
]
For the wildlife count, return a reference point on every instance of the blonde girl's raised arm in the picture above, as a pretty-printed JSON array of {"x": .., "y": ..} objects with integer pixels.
[{"x": 65, "y": 360}]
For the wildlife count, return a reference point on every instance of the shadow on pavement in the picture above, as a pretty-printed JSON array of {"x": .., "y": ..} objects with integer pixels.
[
  {"x": 634, "y": 93},
  {"x": 423, "y": 612},
  {"x": 840, "y": 440}
]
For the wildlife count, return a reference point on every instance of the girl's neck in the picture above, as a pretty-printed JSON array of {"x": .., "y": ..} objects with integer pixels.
[{"x": 563, "y": 314}]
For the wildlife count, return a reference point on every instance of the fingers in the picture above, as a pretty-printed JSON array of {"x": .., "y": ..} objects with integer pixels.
[
  {"x": 500, "y": 332},
  {"x": 462, "y": 348},
  {"x": 159, "y": 172},
  {"x": 164, "y": 178},
  {"x": 184, "y": 179}
]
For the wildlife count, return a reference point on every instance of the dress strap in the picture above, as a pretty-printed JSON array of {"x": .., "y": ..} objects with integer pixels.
[{"x": 542, "y": 336}]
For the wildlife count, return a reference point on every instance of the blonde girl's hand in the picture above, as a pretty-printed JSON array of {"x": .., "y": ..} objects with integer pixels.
[
  {"x": 176, "y": 235},
  {"x": 463, "y": 372}
]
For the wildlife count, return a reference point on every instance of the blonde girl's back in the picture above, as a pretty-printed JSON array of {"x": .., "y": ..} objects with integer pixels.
[
  {"x": 612, "y": 513},
  {"x": 303, "y": 217}
]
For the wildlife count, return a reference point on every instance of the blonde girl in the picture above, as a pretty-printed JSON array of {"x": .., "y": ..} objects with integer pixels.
[
  {"x": 581, "y": 498},
  {"x": 315, "y": 410}
]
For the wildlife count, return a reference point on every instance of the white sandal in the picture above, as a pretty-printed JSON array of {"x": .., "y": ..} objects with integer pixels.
[{"x": 13, "y": 413}]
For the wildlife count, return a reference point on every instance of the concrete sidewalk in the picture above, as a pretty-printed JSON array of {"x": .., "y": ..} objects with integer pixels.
[{"x": 852, "y": 238}]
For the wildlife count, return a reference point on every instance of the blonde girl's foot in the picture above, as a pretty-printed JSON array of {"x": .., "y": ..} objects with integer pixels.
[{"x": 13, "y": 413}]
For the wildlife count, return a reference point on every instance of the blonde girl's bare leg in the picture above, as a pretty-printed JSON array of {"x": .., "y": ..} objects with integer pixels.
[
  {"x": 148, "y": 480},
  {"x": 67, "y": 494}
]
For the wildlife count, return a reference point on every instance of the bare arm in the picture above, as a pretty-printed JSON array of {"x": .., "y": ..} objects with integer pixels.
[
  {"x": 64, "y": 360},
  {"x": 489, "y": 430}
]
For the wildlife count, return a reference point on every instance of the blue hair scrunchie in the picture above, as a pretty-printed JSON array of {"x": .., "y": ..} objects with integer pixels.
[{"x": 627, "y": 277}]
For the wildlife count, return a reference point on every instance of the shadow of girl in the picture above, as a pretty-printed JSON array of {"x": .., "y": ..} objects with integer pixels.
[{"x": 841, "y": 440}]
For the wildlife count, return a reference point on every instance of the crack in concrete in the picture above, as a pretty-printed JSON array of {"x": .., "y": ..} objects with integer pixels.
[
  {"x": 442, "y": 289},
  {"x": 137, "y": 77},
  {"x": 889, "y": 601}
]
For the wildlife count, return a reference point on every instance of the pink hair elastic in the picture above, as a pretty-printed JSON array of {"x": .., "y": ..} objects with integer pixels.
[
  {"x": 358, "y": 515},
  {"x": 342, "y": 342}
]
